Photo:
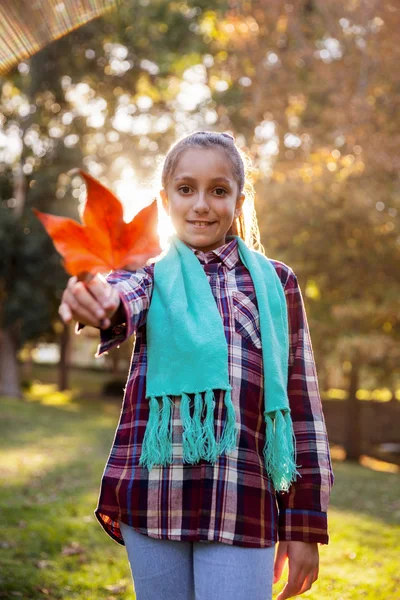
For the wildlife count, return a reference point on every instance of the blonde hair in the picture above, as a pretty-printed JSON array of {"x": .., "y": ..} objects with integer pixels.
[{"x": 246, "y": 225}]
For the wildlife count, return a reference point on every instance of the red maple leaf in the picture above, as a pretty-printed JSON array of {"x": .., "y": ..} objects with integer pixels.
[{"x": 104, "y": 241}]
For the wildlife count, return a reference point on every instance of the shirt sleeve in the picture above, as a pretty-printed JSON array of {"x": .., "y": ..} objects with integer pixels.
[
  {"x": 135, "y": 289},
  {"x": 303, "y": 509}
]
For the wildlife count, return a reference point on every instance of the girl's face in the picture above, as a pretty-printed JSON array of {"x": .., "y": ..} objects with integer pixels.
[{"x": 202, "y": 198}]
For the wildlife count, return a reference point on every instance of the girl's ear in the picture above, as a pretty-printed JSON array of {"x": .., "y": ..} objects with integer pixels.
[
  {"x": 164, "y": 199},
  {"x": 239, "y": 204}
]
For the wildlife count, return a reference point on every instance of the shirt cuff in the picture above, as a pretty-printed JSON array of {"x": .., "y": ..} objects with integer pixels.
[{"x": 303, "y": 526}]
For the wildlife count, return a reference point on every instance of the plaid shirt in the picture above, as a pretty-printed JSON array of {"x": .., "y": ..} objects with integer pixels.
[{"x": 232, "y": 501}]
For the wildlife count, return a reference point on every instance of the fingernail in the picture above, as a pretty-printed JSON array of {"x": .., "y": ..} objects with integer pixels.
[{"x": 100, "y": 313}]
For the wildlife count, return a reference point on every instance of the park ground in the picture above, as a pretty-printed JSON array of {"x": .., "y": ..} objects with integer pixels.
[{"x": 53, "y": 450}]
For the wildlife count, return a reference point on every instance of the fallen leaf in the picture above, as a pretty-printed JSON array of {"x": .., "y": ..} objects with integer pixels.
[
  {"x": 104, "y": 241},
  {"x": 117, "y": 588},
  {"x": 88, "y": 519},
  {"x": 42, "y": 564},
  {"x": 72, "y": 548}
]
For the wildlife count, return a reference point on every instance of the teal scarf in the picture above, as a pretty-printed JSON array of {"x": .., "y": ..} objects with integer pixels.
[{"x": 188, "y": 354}]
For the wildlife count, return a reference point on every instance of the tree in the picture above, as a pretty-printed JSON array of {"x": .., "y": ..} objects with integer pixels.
[
  {"x": 309, "y": 88},
  {"x": 84, "y": 100}
]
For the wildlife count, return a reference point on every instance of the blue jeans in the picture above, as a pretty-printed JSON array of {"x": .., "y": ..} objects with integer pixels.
[{"x": 177, "y": 570}]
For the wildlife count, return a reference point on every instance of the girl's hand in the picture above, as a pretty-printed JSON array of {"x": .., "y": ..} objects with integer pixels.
[
  {"x": 303, "y": 560},
  {"x": 93, "y": 303}
]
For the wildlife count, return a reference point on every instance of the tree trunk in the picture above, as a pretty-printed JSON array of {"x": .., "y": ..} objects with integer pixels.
[
  {"x": 63, "y": 365},
  {"x": 27, "y": 365},
  {"x": 19, "y": 191},
  {"x": 353, "y": 414},
  {"x": 9, "y": 374},
  {"x": 10, "y": 384}
]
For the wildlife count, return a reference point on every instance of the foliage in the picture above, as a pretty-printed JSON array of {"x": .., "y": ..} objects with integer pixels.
[
  {"x": 30, "y": 275},
  {"x": 308, "y": 88}
]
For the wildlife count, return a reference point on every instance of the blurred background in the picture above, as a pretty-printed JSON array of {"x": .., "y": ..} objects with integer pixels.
[{"x": 310, "y": 90}]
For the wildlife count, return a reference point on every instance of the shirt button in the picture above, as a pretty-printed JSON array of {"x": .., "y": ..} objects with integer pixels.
[{"x": 119, "y": 329}]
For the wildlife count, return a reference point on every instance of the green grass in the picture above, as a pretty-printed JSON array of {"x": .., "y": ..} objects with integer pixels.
[
  {"x": 53, "y": 451},
  {"x": 52, "y": 458}
]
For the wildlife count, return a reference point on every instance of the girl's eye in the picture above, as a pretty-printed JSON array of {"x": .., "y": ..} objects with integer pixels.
[{"x": 184, "y": 187}]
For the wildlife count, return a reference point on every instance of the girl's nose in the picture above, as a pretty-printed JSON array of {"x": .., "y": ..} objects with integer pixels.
[{"x": 200, "y": 203}]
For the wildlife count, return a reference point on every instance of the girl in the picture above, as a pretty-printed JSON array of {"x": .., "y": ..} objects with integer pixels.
[{"x": 221, "y": 449}]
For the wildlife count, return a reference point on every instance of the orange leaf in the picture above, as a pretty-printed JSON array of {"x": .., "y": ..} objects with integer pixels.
[{"x": 104, "y": 241}]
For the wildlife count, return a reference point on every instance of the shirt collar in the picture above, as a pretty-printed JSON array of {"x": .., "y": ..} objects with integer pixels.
[{"x": 228, "y": 254}]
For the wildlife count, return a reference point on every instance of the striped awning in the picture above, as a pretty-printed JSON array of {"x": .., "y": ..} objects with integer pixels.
[{"x": 26, "y": 26}]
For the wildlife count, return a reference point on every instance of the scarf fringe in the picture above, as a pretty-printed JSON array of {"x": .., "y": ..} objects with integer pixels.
[
  {"x": 279, "y": 449},
  {"x": 198, "y": 437},
  {"x": 150, "y": 447},
  {"x": 189, "y": 442},
  {"x": 165, "y": 431},
  {"x": 228, "y": 438}
]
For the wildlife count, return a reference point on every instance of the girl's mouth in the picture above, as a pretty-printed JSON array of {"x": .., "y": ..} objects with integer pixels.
[{"x": 201, "y": 224}]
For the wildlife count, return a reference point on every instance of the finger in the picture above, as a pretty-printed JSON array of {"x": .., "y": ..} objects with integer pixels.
[
  {"x": 107, "y": 295},
  {"x": 85, "y": 315},
  {"x": 68, "y": 290},
  {"x": 316, "y": 573},
  {"x": 294, "y": 583},
  {"x": 86, "y": 301},
  {"x": 101, "y": 290},
  {"x": 288, "y": 592},
  {"x": 71, "y": 282},
  {"x": 285, "y": 593},
  {"x": 111, "y": 305},
  {"x": 307, "y": 583},
  {"x": 297, "y": 573},
  {"x": 280, "y": 558},
  {"x": 86, "y": 318},
  {"x": 65, "y": 313},
  {"x": 85, "y": 306}
]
